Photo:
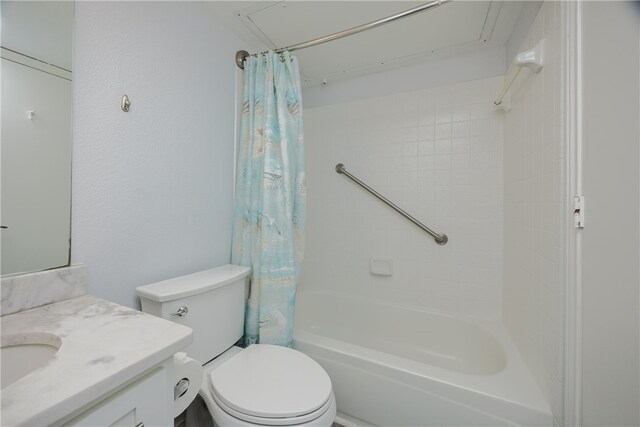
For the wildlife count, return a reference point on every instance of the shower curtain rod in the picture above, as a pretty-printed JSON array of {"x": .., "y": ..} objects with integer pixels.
[{"x": 242, "y": 54}]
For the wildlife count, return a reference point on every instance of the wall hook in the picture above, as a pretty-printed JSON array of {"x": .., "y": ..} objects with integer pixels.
[
  {"x": 125, "y": 104},
  {"x": 31, "y": 114}
]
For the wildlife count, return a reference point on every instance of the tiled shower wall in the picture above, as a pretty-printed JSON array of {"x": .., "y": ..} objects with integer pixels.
[
  {"x": 438, "y": 154},
  {"x": 534, "y": 179}
]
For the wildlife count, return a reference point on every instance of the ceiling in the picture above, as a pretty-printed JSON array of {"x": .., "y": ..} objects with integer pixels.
[{"x": 453, "y": 28}]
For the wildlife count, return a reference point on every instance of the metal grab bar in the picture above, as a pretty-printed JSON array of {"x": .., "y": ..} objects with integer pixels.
[{"x": 440, "y": 239}]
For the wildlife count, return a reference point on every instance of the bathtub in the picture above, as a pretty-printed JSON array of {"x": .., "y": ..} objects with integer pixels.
[{"x": 396, "y": 365}]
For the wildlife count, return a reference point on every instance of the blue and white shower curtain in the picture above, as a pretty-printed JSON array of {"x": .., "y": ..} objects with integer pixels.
[{"x": 270, "y": 208}]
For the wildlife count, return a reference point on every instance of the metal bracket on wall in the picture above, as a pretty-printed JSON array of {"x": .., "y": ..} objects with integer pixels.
[{"x": 578, "y": 211}]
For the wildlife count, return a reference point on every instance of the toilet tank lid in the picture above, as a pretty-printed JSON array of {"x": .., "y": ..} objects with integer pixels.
[{"x": 192, "y": 284}]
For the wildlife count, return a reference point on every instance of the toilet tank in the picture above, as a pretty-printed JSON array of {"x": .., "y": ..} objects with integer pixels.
[{"x": 212, "y": 303}]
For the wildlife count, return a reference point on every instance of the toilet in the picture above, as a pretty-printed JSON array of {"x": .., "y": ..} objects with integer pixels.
[{"x": 258, "y": 385}]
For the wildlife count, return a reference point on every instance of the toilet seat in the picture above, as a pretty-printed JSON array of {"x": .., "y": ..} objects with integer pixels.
[{"x": 271, "y": 385}]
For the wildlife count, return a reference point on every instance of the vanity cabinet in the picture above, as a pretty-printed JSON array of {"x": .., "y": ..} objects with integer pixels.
[
  {"x": 145, "y": 402},
  {"x": 114, "y": 366}
]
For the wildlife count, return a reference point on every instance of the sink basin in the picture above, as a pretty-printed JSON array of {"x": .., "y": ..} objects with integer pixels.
[{"x": 21, "y": 354}]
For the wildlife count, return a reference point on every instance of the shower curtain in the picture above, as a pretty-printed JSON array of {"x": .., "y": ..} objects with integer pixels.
[{"x": 269, "y": 218}]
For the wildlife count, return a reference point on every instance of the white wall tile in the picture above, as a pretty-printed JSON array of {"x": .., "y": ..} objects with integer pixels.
[
  {"x": 421, "y": 157},
  {"x": 533, "y": 233}
]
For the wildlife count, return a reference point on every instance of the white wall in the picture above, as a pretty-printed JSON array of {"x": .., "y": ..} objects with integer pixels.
[
  {"x": 611, "y": 277},
  {"x": 39, "y": 29},
  {"x": 438, "y": 154},
  {"x": 521, "y": 28},
  {"x": 436, "y": 72},
  {"x": 152, "y": 188},
  {"x": 534, "y": 209}
]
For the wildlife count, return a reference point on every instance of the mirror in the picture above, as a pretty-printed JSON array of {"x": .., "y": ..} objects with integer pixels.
[{"x": 35, "y": 210}]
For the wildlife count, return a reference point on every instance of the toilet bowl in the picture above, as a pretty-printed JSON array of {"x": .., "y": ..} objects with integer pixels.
[
  {"x": 261, "y": 385},
  {"x": 239, "y": 391}
]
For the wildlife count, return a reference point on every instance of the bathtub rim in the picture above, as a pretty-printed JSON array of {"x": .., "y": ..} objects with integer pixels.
[{"x": 514, "y": 385}]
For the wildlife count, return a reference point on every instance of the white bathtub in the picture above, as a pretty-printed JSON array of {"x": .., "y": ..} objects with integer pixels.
[{"x": 400, "y": 366}]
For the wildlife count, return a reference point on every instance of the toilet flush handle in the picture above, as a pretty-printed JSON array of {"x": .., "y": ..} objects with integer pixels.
[{"x": 181, "y": 311}]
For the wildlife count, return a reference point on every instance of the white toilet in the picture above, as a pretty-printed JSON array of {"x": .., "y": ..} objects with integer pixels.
[{"x": 259, "y": 385}]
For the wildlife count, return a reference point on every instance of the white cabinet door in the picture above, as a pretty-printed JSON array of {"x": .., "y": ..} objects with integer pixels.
[{"x": 147, "y": 402}]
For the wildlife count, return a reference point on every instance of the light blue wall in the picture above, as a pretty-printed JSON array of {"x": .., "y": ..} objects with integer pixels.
[{"x": 152, "y": 188}]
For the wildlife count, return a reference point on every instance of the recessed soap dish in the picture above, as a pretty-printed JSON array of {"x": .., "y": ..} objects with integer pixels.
[{"x": 381, "y": 266}]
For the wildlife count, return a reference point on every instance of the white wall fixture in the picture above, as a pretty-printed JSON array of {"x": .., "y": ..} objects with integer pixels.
[{"x": 531, "y": 59}]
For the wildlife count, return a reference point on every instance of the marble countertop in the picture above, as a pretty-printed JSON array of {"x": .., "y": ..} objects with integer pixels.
[{"x": 104, "y": 345}]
